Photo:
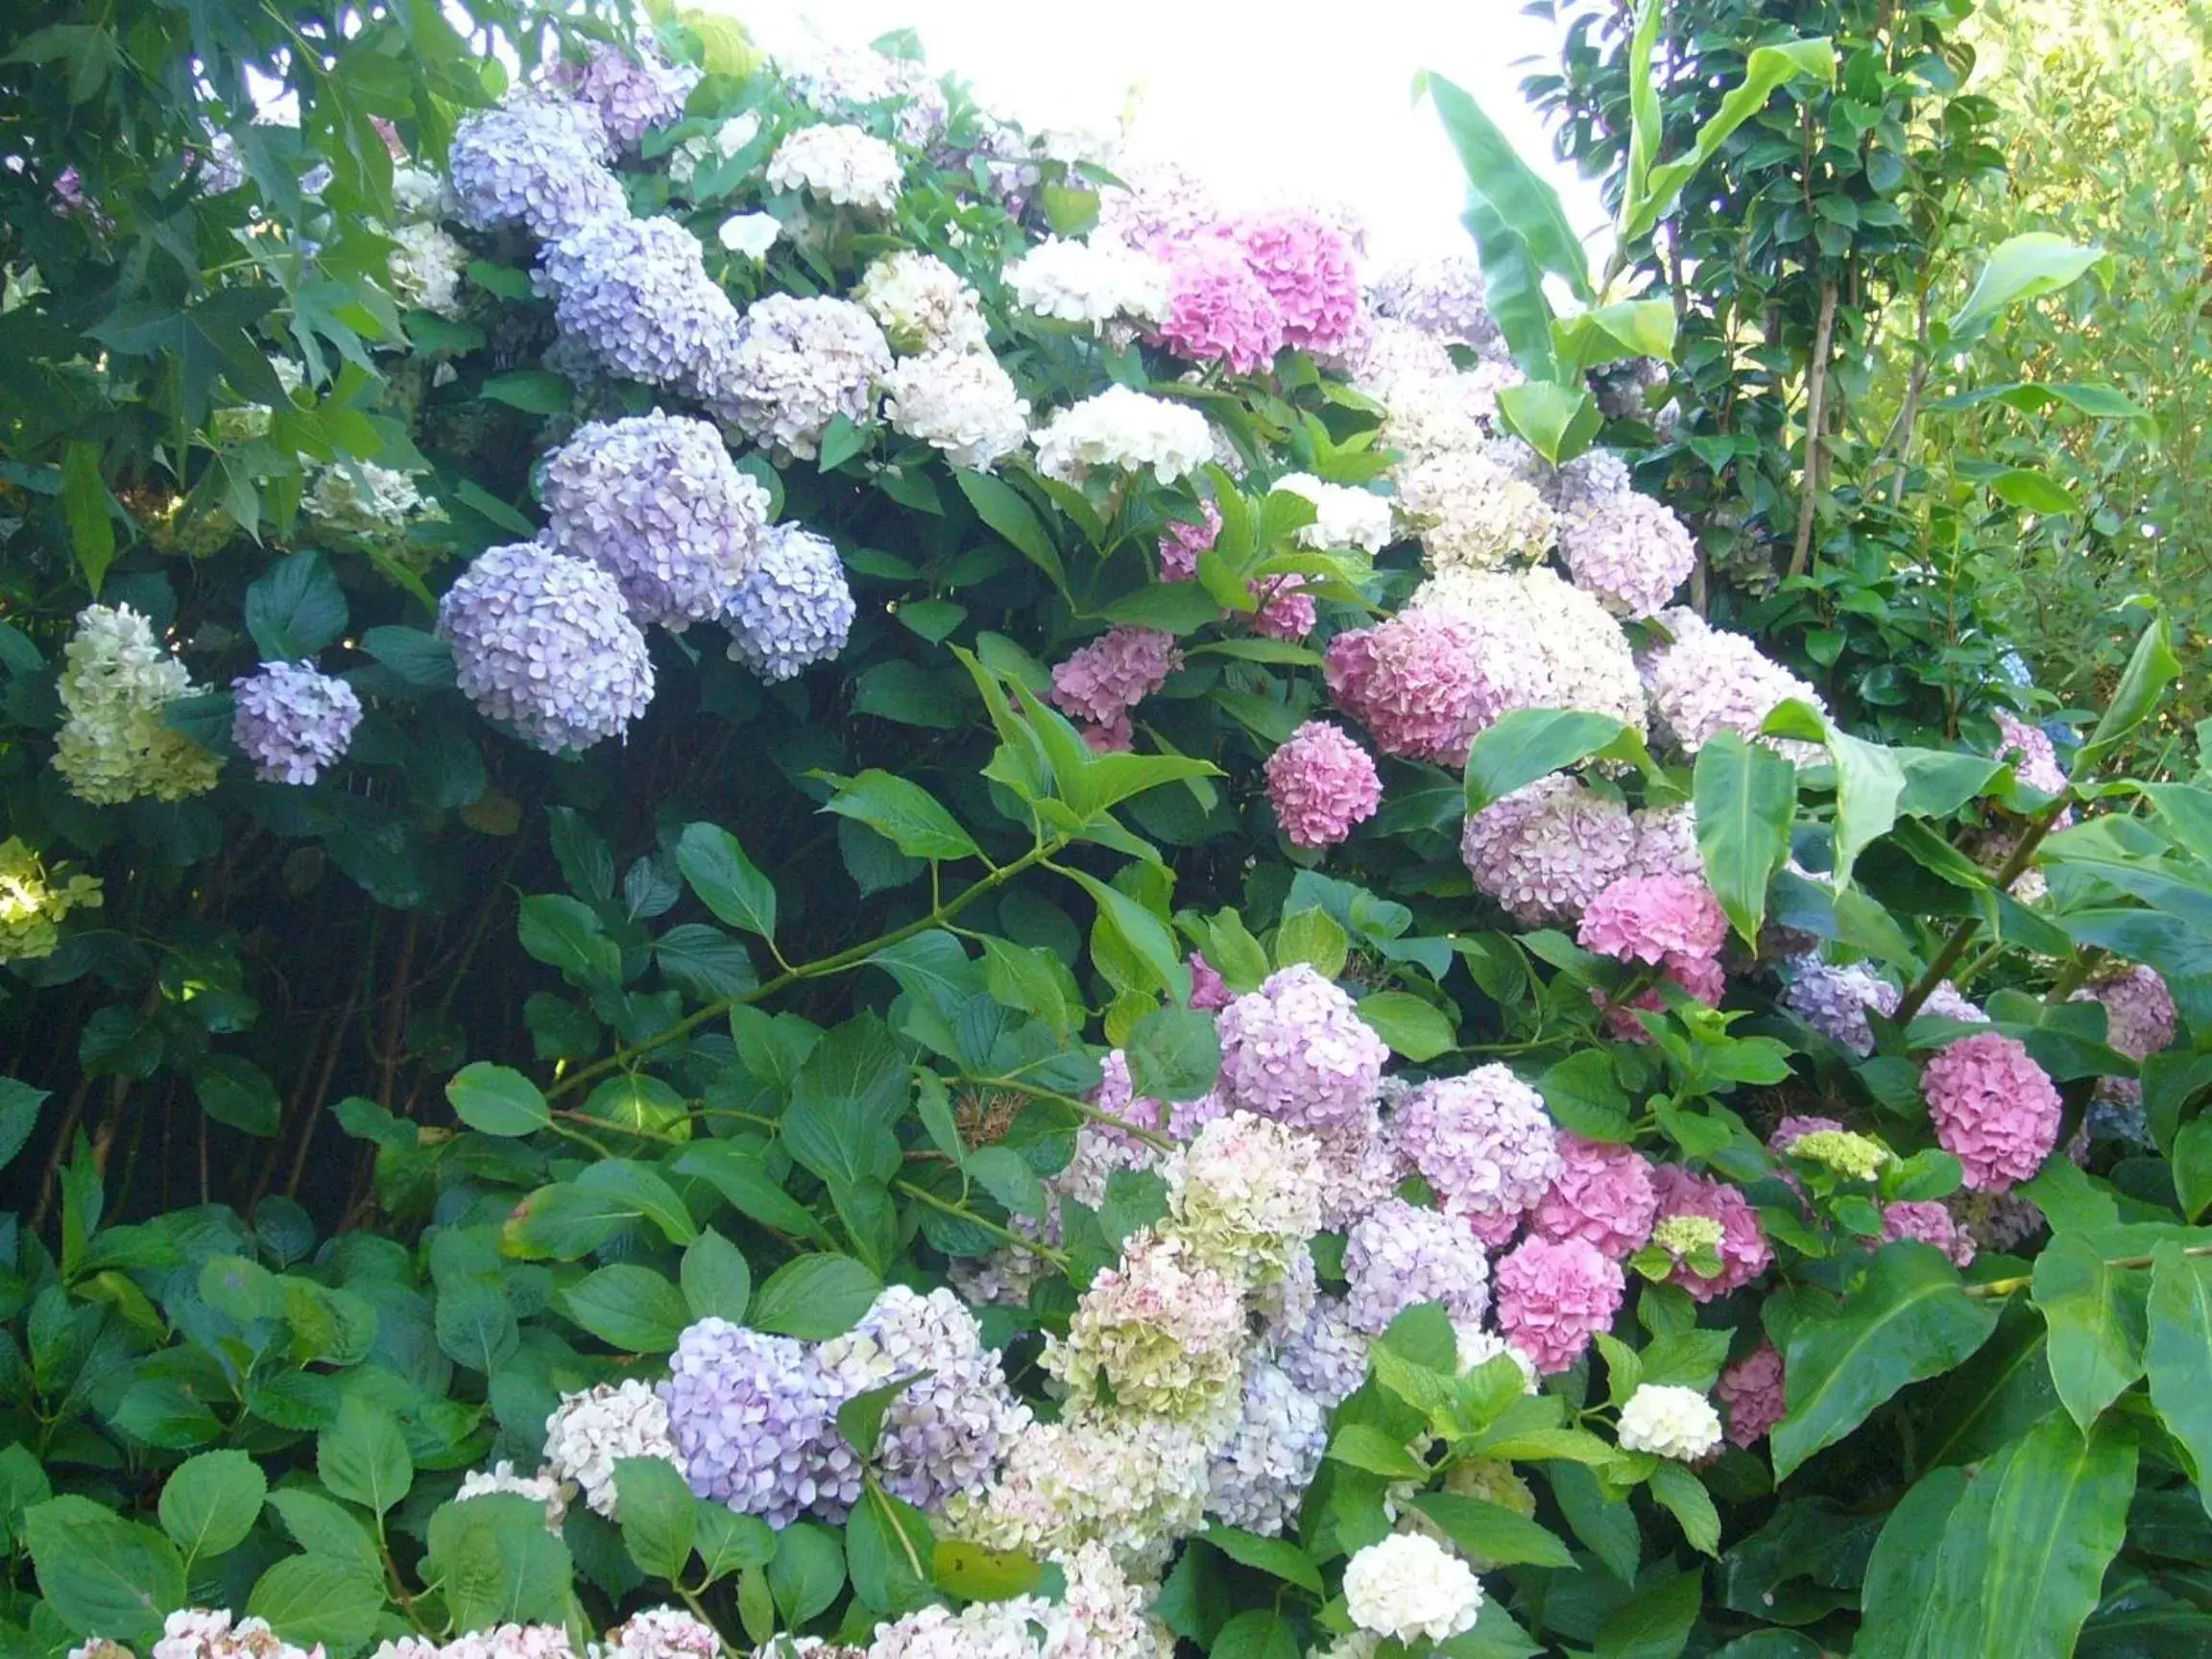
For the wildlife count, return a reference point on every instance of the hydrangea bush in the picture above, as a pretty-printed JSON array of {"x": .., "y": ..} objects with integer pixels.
[{"x": 980, "y": 920}]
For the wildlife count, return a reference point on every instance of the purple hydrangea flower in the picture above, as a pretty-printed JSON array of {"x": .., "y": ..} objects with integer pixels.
[
  {"x": 793, "y": 608},
  {"x": 630, "y": 95},
  {"x": 291, "y": 721},
  {"x": 545, "y": 643},
  {"x": 1296, "y": 1050},
  {"x": 1399, "y": 1256},
  {"x": 656, "y": 502},
  {"x": 1484, "y": 1142},
  {"x": 1327, "y": 1356},
  {"x": 754, "y": 1423},
  {"x": 634, "y": 297},
  {"x": 537, "y": 161}
]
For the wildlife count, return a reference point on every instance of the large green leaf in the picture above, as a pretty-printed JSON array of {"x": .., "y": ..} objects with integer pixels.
[
  {"x": 1909, "y": 1320},
  {"x": 497, "y": 1564},
  {"x": 319, "y": 1602},
  {"x": 1557, "y": 422},
  {"x": 2151, "y": 668},
  {"x": 725, "y": 881},
  {"x": 999, "y": 505},
  {"x": 628, "y": 1307},
  {"x": 1531, "y": 743},
  {"x": 905, "y": 813},
  {"x": 2023, "y": 266},
  {"x": 2177, "y": 1353},
  {"x": 210, "y": 1503},
  {"x": 2095, "y": 1312},
  {"x": 1767, "y": 68},
  {"x": 102, "y": 1575},
  {"x": 1523, "y": 199},
  {"x": 1900, "y": 1607},
  {"x": 1746, "y": 797}
]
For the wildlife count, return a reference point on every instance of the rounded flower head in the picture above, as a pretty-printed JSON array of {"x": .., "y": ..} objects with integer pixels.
[
  {"x": 843, "y": 82},
  {"x": 633, "y": 295},
  {"x": 425, "y": 268},
  {"x": 1296, "y": 1050},
  {"x": 1321, "y": 783},
  {"x": 1993, "y": 1108},
  {"x": 1714, "y": 681},
  {"x": 1326, "y": 1356},
  {"x": 1219, "y": 310},
  {"x": 1162, "y": 1330},
  {"x": 203, "y": 1633},
  {"x": 1602, "y": 1196},
  {"x": 960, "y": 402},
  {"x": 1125, "y": 430},
  {"x": 1157, "y": 202},
  {"x": 1835, "y": 1001},
  {"x": 1554, "y": 1295},
  {"x": 589, "y": 1431},
  {"x": 631, "y": 95},
  {"x": 754, "y": 1424},
  {"x": 656, "y": 502},
  {"x": 1306, "y": 268},
  {"x": 1669, "y": 1420},
  {"x": 1549, "y": 848},
  {"x": 1342, "y": 516},
  {"x": 34, "y": 900},
  {"x": 1242, "y": 1196},
  {"x": 1131, "y": 1481},
  {"x": 1591, "y": 477},
  {"x": 1093, "y": 282},
  {"x": 545, "y": 644},
  {"x": 1650, "y": 918},
  {"x": 1260, "y": 1477},
  {"x": 1751, "y": 1389},
  {"x": 1472, "y": 514},
  {"x": 842, "y": 165},
  {"x": 798, "y": 363},
  {"x": 1399, "y": 1256},
  {"x": 1412, "y": 682},
  {"x": 536, "y": 161},
  {"x": 1181, "y": 544},
  {"x": 507, "y": 1642},
  {"x": 114, "y": 745},
  {"x": 1209, "y": 991},
  {"x": 1930, "y": 1224},
  {"x": 1859, "y": 1157},
  {"x": 1411, "y": 1589},
  {"x": 1538, "y": 643},
  {"x": 2139, "y": 1015},
  {"x": 1483, "y": 1142},
  {"x": 942, "y": 1435},
  {"x": 1744, "y": 1251},
  {"x": 921, "y": 303},
  {"x": 292, "y": 722},
  {"x": 500, "y": 1478},
  {"x": 2034, "y": 757},
  {"x": 662, "y": 1633},
  {"x": 1627, "y": 549},
  {"x": 1442, "y": 297},
  {"x": 1286, "y": 611},
  {"x": 794, "y": 608},
  {"x": 1107, "y": 677}
]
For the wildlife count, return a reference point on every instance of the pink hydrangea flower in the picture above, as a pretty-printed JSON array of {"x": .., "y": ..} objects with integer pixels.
[
  {"x": 1994, "y": 1109},
  {"x": 1702, "y": 977},
  {"x": 1181, "y": 544},
  {"x": 1296, "y": 1050},
  {"x": 2139, "y": 1016},
  {"x": 1652, "y": 918},
  {"x": 1547, "y": 850},
  {"x": 1410, "y": 682},
  {"x": 1219, "y": 310},
  {"x": 2033, "y": 756},
  {"x": 1321, "y": 783},
  {"x": 1627, "y": 549},
  {"x": 1306, "y": 268},
  {"x": 1209, "y": 991},
  {"x": 1752, "y": 1391},
  {"x": 1286, "y": 611},
  {"x": 1602, "y": 1196},
  {"x": 1930, "y": 1222},
  {"x": 1744, "y": 1253},
  {"x": 1553, "y": 1295},
  {"x": 1107, "y": 677},
  {"x": 1116, "y": 736},
  {"x": 1483, "y": 1142}
]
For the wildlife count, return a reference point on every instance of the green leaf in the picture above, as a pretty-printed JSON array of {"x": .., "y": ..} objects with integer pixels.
[
  {"x": 660, "y": 1515},
  {"x": 628, "y": 1307},
  {"x": 727, "y": 1541},
  {"x": 717, "y": 870},
  {"x": 1417, "y": 1030},
  {"x": 860, "y": 1419},
  {"x": 904, "y": 813},
  {"x": 1524, "y": 201},
  {"x": 1746, "y": 797},
  {"x": 1624, "y": 329},
  {"x": 976, "y": 1573},
  {"x": 1277, "y": 1557},
  {"x": 232, "y": 1090},
  {"x": 1686, "y": 1498},
  {"x": 741, "y": 1176},
  {"x": 2032, "y": 492},
  {"x": 84, "y": 506},
  {"x": 1900, "y": 1611},
  {"x": 1907, "y": 1320},
  {"x": 1514, "y": 285},
  {"x": 891, "y": 1552},
  {"x": 1000, "y": 506},
  {"x": 1144, "y": 935},
  {"x": 847, "y": 1096},
  {"x": 2151, "y": 668},
  {"x": 1532, "y": 743},
  {"x": 1362, "y": 1446},
  {"x": 1175, "y": 1054},
  {"x": 1256, "y": 1634},
  {"x": 102, "y": 1575},
  {"x": 496, "y": 1563},
  {"x": 1315, "y": 937},
  {"x": 2095, "y": 1312},
  {"x": 2020, "y": 268},
  {"x": 807, "y": 1572},
  {"x": 705, "y": 963},
  {"x": 1655, "y": 1623},
  {"x": 1584, "y": 1093},
  {"x": 418, "y": 657},
  {"x": 295, "y": 608},
  {"x": 321, "y": 1527},
  {"x": 717, "y": 1283},
  {"x": 1557, "y": 422},
  {"x": 1765, "y": 69},
  {"x": 533, "y": 391},
  {"x": 363, "y": 1456},
  {"x": 638, "y": 1191},
  {"x": 318, "y": 1599},
  {"x": 814, "y": 1297},
  {"x": 2177, "y": 1352},
  {"x": 1607, "y": 1525},
  {"x": 565, "y": 935},
  {"x": 211, "y": 1502},
  {"x": 1492, "y": 1532},
  {"x": 19, "y": 1105},
  {"x": 496, "y": 1099}
]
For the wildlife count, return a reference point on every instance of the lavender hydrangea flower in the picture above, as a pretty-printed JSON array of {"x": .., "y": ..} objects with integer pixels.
[
  {"x": 545, "y": 643},
  {"x": 754, "y": 1422},
  {"x": 631, "y": 95},
  {"x": 634, "y": 295},
  {"x": 1327, "y": 1357},
  {"x": 794, "y": 608},
  {"x": 1400, "y": 1256},
  {"x": 1296, "y": 1050},
  {"x": 292, "y": 722},
  {"x": 656, "y": 502},
  {"x": 1484, "y": 1142},
  {"x": 798, "y": 365},
  {"x": 1258, "y": 1480},
  {"x": 535, "y": 161}
]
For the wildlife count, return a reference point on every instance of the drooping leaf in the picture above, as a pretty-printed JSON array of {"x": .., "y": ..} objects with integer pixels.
[
  {"x": 1745, "y": 795},
  {"x": 1765, "y": 69},
  {"x": 2177, "y": 1352}
]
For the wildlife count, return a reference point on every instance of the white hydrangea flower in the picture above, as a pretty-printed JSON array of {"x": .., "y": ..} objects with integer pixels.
[
  {"x": 113, "y": 745},
  {"x": 1092, "y": 281},
  {"x": 425, "y": 268},
  {"x": 589, "y": 1431},
  {"x": 1470, "y": 513},
  {"x": 1342, "y": 516},
  {"x": 841, "y": 164},
  {"x": 1411, "y": 1588},
  {"x": 750, "y": 234},
  {"x": 962, "y": 402},
  {"x": 798, "y": 365},
  {"x": 1125, "y": 429},
  {"x": 1669, "y": 1420},
  {"x": 501, "y": 1477},
  {"x": 1478, "y": 1347},
  {"x": 921, "y": 303}
]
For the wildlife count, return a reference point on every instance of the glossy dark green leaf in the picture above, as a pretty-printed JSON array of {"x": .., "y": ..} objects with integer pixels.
[{"x": 2095, "y": 1312}]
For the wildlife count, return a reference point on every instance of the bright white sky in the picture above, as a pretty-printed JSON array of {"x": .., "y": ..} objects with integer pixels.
[{"x": 1267, "y": 100}]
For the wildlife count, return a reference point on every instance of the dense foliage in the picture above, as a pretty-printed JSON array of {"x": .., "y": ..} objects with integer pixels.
[{"x": 785, "y": 870}]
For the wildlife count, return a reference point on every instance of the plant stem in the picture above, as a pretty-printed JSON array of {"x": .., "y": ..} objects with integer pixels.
[
  {"x": 2021, "y": 1281},
  {"x": 1034, "y": 1246},
  {"x": 1962, "y": 934},
  {"x": 1816, "y": 439},
  {"x": 1096, "y": 1114}
]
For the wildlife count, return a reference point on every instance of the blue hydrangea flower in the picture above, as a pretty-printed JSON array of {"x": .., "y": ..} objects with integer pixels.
[
  {"x": 793, "y": 609},
  {"x": 291, "y": 721},
  {"x": 635, "y": 296},
  {"x": 630, "y": 95},
  {"x": 545, "y": 643},
  {"x": 754, "y": 1424},
  {"x": 536, "y": 161}
]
